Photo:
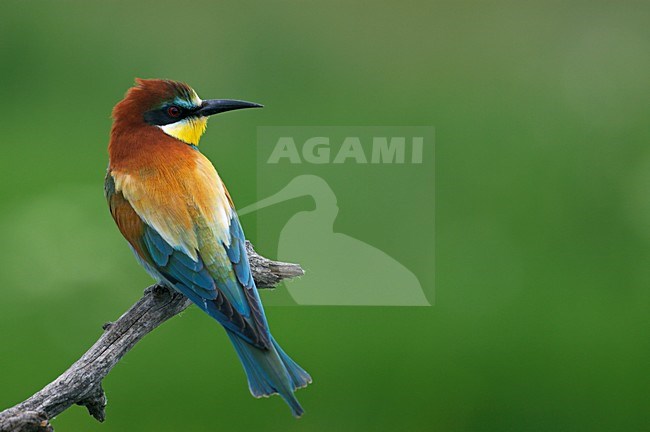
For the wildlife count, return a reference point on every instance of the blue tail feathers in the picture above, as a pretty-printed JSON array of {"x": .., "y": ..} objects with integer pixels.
[{"x": 271, "y": 371}]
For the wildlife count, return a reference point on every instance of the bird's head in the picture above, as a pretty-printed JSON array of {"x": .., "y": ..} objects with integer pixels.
[{"x": 171, "y": 106}]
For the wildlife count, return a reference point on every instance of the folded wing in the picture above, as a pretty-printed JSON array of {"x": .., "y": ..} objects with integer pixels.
[{"x": 218, "y": 279}]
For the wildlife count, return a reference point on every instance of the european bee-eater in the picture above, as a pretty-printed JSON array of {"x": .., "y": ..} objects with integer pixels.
[{"x": 172, "y": 207}]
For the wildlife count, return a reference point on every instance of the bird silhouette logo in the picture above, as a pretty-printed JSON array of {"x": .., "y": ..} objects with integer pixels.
[{"x": 364, "y": 275}]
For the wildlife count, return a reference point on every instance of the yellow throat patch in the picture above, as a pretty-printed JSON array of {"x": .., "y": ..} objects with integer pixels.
[{"x": 188, "y": 130}]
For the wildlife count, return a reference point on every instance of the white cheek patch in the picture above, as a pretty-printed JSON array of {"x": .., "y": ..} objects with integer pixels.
[{"x": 197, "y": 100}]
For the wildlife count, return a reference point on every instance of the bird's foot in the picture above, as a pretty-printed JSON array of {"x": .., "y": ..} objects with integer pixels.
[{"x": 158, "y": 290}]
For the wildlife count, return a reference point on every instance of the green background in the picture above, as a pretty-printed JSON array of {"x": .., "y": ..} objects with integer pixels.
[
  {"x": 541, "y": 113},
  {"x": 346, "y": 230}
]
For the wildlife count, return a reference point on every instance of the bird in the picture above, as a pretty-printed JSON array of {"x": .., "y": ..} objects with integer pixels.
[{"x": 175, "y": 212}]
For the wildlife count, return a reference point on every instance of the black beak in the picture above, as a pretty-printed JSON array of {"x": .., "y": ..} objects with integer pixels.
[{"x": 216, "y": 106}]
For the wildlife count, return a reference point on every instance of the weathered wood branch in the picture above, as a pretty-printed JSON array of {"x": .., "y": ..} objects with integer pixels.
[{"x": 81, "y": 384}]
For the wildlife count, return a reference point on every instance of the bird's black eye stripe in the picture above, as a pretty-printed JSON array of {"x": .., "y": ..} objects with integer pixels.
[{"x": 167, "y": 114}]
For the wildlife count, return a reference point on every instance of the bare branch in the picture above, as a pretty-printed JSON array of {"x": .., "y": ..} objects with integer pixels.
[{"x": 81, "y": 384}]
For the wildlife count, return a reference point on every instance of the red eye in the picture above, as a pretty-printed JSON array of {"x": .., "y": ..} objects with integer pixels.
[{"x": 174, "y": 111}]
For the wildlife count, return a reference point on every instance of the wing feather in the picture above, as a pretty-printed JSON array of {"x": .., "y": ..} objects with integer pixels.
[{"x": 217, "y": 278}]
